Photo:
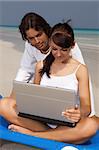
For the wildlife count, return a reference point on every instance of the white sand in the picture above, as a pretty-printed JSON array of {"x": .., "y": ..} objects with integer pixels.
[{"x": 12, "y": 46}]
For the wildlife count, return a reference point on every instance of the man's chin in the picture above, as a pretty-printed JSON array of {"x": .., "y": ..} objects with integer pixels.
[{"x": 44, "y": 49}]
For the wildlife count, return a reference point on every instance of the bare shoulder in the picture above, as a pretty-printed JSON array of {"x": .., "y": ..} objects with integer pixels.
[
  {"x": 83, "y": 67},
  {"x": 80, "y": 65},
  {"x": 82, "y": 70}
]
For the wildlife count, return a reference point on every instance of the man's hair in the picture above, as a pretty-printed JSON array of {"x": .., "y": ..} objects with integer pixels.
[{"x": 35, "y": 21}]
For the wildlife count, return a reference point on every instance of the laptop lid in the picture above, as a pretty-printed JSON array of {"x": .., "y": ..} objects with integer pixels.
[{"x": 44, "y": 103}]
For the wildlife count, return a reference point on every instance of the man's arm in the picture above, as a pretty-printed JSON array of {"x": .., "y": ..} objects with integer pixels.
[{"x": 27, "y": 66}]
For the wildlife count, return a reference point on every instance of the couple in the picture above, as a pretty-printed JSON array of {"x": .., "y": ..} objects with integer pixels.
[{"x": 55, "y": 65}]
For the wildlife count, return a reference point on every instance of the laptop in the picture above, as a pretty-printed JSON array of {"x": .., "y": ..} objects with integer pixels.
[{"x": 44, "y": 103}]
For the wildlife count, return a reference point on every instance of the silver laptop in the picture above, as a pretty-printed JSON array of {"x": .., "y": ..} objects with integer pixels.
[{"x": 44, "y": 103}]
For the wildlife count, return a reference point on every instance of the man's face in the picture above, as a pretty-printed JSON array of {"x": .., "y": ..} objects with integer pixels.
[{"x": 38, "y": 39}]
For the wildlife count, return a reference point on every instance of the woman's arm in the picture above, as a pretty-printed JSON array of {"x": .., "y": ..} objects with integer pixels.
[
  {"x": 37, "y": 75},
  {"x": 75, "y": 114},
  {"x": 76, "y": 54},
  {"x": 84, "y": 91}
]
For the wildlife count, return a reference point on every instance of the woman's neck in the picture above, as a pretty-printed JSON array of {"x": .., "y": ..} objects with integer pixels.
[{"x": 65, "y": 61}]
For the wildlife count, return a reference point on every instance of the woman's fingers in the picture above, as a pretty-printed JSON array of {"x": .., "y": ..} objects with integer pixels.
[{"x": 72, "y": 114}]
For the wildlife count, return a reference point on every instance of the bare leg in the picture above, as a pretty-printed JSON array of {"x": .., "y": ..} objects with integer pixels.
[
  {"x": 79, "y": 134},
  {"x": 8, "y": 111}
]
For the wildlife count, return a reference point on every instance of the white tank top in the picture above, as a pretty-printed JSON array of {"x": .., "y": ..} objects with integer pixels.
[{"x": 68, "y": 82}]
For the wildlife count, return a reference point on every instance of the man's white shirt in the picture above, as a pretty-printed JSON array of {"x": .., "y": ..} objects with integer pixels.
[{"x": 29, "y": 59}]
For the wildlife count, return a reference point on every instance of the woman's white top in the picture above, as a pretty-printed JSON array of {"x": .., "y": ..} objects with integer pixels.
[{"x": 68, "y": 82}]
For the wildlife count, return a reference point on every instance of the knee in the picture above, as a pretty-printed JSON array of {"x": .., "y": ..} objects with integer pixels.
[
  {"x": 7, "y": 109},
  {"x": 88, "y": 128},
  {"x": 3, "y": 106}
]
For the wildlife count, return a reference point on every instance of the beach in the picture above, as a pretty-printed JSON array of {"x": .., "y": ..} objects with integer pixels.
[{"x": 11, "y": 50}]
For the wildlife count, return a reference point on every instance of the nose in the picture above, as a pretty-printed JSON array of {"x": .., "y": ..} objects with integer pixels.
[
  {"x": 36, "y": 40},
  {"x": 58, "y": 53}
]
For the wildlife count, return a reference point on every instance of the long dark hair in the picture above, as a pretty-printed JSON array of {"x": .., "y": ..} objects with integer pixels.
[
  {"x": 62, "y": 35},
  {"x": 47, "y": 64},
  {"x": 35, "y": 21}
]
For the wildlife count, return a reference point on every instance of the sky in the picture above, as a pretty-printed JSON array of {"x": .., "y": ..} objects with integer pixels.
[{"x": 84, "y": 14}]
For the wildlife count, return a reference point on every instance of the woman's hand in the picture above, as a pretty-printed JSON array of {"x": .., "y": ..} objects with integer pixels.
[{"x": 72, "y": 114}]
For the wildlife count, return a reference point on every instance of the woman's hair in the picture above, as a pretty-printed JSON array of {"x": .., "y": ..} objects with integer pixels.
[
  {"x": 61, "y": 39},
  {"x": 35, "y": 21},
  {"x": 62, "y": 35},
  {"x": 63, "y": 28}
]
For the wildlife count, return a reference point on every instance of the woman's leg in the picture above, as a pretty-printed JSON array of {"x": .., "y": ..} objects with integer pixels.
[
  {"x": 79, "y": 134},
  {"x": 97, "y": 120},
  {"x": 9, "y": 112}
]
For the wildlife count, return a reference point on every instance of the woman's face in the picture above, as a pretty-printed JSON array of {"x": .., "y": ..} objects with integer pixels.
[{"x": 59, "y": 53}]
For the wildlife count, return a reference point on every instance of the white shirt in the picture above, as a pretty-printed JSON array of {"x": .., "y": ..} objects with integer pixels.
[
  {"x": 29, "y": 59},
  {"x": 69, "y": 81}
]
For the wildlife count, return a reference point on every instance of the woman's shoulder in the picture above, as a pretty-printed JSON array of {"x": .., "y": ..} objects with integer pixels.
[
  {"x": 82, "y": 70},
  {"x": 79, "y": 67},
  {"x": 76, "y": 62}
]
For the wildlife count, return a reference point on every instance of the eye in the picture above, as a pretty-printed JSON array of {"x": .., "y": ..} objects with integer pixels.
[
  {"x": 64, "y": 49},
  {"x": 31, "y": 38},
  {"x": 54, "y": 49},
  {"x": 39, "y": 34}
]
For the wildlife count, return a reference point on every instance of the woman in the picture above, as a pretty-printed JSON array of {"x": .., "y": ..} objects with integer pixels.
[{"x": 61, "y": 70}]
